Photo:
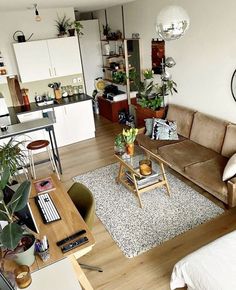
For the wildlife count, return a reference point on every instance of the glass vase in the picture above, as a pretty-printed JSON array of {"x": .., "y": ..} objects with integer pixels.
[{"x": 130, "y": 149}]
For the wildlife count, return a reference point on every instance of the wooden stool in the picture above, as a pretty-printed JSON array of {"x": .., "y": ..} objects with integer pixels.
[{"x": 36, "y": 145}]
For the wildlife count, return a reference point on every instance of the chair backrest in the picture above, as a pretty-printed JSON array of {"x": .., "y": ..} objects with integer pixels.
[{"x": 84, "y": 202}]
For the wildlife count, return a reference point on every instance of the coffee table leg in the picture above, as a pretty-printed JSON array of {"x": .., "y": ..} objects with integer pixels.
[
  {"x": 120, "y": 173},
  {"x": 164, "y": 176},
  {"x": 137, "y": 191}
]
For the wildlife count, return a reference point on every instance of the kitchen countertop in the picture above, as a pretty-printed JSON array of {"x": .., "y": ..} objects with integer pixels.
[{"x": 32, "y": 107}]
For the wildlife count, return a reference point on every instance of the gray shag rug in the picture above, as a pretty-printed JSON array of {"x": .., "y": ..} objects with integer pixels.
[{"x": 137, "y": 230}]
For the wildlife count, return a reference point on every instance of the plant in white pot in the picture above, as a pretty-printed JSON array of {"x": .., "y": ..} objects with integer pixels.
[{"x": 14, "y": 238}]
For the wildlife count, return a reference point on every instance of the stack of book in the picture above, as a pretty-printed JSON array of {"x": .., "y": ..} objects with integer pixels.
[{"x": 143, "y": 181}]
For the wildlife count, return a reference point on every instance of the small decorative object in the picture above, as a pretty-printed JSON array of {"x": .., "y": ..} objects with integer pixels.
[
  {"x": 172, "y": 22},
  {"x": 4, "y": 128},
  {"x": 145, "y": 167},
  {"x": 107, "y": 49},
  {"x": 42, "y": 249},
  {"x": 158, "y": 54},
  {"x": 44, "y": 185},
  {"x": 129, "y": 136},
  {"x": 106, "y": 30},
  {"x": 22, "y": 276}
]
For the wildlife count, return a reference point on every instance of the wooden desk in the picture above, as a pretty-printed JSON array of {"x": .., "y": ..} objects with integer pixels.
[{"x": 71, "y": 222}]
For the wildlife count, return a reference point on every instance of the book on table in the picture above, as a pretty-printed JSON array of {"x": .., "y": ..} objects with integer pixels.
[
  {"x": 44, "y": 185},
  {"x": 144, "y": 180}
]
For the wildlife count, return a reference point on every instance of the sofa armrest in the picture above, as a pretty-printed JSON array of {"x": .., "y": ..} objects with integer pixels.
[
  {"x": 141, "y": 130},
  {"x": 231, "y": 184}
]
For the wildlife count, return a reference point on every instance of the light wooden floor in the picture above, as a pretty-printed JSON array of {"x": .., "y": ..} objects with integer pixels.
[{"x": 152, "y": 269}]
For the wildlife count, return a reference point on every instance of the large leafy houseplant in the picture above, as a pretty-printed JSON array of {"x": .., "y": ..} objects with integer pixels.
[
  {"x": 12, "y": 233},
  {"x": 151, "y": 95},
  {"x": 12, "y": 156}
]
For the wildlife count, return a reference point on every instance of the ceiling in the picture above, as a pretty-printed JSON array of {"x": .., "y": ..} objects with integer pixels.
[{"x": 80, "y": 5}]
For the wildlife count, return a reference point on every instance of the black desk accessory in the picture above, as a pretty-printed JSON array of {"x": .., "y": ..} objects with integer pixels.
[
  {"x": 74, "y": 244},
  {"x": 70, "y": 238}
]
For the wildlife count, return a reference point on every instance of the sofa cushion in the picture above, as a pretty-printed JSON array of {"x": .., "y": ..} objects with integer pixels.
[
  {"x": 209, "y": 174},
  {"x": 164, "y": 130},
  {"x": 185, "y": 153},
  {"x": 153, "y": 145},
  {"x": 230, "y": 168},
  {"x": 229, "y": 145},
  {"x": 148, "y": 126},
  {"x": 183, "y": 117},
  {"x": 208, "y": 131}
]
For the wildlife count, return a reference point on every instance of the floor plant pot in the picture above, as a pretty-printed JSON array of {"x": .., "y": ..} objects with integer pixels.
[
  {"x": 27, "y": 257},
  {"x": 144, "y": 113}
]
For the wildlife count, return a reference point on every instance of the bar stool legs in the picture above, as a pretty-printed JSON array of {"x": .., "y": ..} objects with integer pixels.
[
  {"x": 36, "y": 145},
  {"x": 54, "y": 167}
]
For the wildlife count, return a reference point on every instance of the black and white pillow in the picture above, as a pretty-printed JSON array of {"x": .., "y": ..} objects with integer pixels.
[{"x": 164, "y": 130}]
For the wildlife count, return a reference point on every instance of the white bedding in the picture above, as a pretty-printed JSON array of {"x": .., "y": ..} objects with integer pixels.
[{"x": 212, "y": 267}]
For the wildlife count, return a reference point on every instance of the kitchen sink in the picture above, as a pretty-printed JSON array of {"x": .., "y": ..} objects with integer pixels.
[{"x": 45, "y": 103}]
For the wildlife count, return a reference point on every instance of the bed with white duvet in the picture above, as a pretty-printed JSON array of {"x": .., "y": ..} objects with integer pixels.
[{"x": 212, "y": 267}]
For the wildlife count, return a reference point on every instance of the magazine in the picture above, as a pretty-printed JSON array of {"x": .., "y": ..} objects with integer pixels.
[{"x": 44, "y": 185}]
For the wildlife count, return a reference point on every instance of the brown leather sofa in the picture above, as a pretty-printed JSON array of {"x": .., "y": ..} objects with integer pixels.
[{"x": 205, "y": 144}]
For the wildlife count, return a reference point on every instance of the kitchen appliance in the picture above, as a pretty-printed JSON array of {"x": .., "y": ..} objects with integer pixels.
[
  {"x": 4, "y": 113},
  {"x": 20, "y": 37}
]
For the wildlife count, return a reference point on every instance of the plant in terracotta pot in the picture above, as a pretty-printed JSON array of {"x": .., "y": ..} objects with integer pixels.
[
  {"x": 150, "y": 97},
  {"x": 129, "y": 136},
  {"x": 13, "y": 237}
]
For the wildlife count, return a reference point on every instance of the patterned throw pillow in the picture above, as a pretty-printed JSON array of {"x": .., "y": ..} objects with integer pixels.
[
  {"x": 164, "y": 130},
  {"x": 148, "y": 126}
]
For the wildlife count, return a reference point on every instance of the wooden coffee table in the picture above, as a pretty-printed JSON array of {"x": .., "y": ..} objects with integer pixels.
[{"x": 131, "y": 165}]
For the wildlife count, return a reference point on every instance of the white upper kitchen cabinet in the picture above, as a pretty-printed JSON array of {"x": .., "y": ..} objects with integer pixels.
[
  {"x": 45, "y": 59},
  {"x": 65, "y": 56},
  {"x": 33, "y": 60}
]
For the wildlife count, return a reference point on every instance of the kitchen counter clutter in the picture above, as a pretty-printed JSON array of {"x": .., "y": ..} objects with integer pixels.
[
  {"x": 34, "y": 107},
  {"x": 72, "y": 119}
]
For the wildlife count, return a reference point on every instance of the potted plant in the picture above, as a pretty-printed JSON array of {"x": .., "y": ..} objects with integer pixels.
[
  {"x": 14, "y": 237},
  {"x": 13, "y": 156},
  {"x": 150, "y": 97},
  {"x": 75, "y": 26},
  {"x": 62, "y": 25},
  {"x": 119, "y": 144}
]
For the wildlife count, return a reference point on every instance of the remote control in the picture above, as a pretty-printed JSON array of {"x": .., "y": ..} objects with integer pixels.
[
  {"x": 72, "y": 237},
  {"x": 74, "y": 244}
]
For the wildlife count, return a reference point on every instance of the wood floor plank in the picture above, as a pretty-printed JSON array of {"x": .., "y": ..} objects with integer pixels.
[{"x": 152, "y": 269}]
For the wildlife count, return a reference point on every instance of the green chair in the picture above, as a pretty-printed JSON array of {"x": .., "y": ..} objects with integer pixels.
[{"x": 85, "y": 204}]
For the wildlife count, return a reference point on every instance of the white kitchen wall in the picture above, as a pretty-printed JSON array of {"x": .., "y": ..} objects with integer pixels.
[
  {"x": 205, "y": 56},
  {"x": 45, "y": 29}
]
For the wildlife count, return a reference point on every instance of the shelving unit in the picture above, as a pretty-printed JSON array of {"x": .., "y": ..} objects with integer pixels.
[
  {"x": 3, "y": 69},
  {"x": 120, "y": 57}
]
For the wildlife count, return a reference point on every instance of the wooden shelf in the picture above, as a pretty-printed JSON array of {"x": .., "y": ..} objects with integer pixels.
[{"x": 120, "y": 69}]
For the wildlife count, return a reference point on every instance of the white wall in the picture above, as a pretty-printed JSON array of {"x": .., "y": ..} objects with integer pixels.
[
  {"x": 205, "y": 56},
  {"x": 24, "y": 20}
]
